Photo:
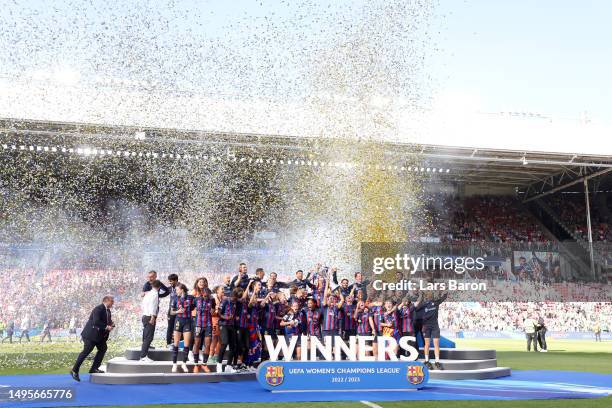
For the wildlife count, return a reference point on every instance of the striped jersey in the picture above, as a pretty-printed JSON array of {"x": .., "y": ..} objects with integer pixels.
[
  {"x": 187, "y": 303},
  {"x": 377, "y": 315},
  {"x": 363, "y": 322},
  {"x": 405, "y": 314},
  {"x": 270, "y": 311},
  {"x": 312, "y": 321},
  {"x": 227, "y": 312},
  {"x": 203, "y": 306},
  {"x": 242, "y": 315},
  {"x": 348, "y": 319},
  {"x": 330, "y": 317}
]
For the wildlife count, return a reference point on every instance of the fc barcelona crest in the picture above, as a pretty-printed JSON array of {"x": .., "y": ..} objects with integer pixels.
[
  {"x": 275, "y": 375},
  {"x": 415, "y": 374}
]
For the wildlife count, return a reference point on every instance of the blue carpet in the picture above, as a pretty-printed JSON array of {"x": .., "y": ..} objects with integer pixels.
[{"x": 521, "y": 385}]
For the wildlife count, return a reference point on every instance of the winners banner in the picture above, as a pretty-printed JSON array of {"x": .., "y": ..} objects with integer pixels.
[{"x": 342, "y": 375}]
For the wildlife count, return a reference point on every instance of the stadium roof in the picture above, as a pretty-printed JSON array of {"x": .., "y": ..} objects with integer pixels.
[{"x": 531, "y": 172}]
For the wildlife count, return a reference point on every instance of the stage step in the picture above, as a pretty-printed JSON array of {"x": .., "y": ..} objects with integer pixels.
[
  {"x": 466, "y": 364},
  {"x": 480, "y": 374},
  {"x": 462, "y": 354},
  {"x": 169, "y": 378},
  {"x": 123, "y": 365}
]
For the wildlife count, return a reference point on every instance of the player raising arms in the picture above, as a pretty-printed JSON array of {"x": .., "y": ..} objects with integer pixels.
[
  {"x": 431, "y": 329},
  {"x": 269, "y": 316},
  {"x": 331, "y": 313},
  {"x": 204, "y": 304},
  {"x": 181, "y": 307},
  {"x": 405, "y": 314}
]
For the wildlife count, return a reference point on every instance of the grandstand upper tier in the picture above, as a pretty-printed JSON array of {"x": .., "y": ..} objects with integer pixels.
[
  {"x": 527, "y": 169},
  {"x": 526, "y": 192}
]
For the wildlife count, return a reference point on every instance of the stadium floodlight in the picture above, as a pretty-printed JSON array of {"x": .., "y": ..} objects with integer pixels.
[{"x": 448, "y": 170}]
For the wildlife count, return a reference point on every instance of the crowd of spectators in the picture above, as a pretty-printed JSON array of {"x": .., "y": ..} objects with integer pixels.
[
  {"x": 472, "y": 226},
  {"x": 495, "y": 225},
  {"x": 509, "y": 316},
  {"x": 64, "y": 298},
  {"x": 571, "y": 209}
]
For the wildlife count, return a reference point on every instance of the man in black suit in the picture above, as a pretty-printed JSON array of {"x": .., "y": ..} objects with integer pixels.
[{"x": 95, "y": 334}]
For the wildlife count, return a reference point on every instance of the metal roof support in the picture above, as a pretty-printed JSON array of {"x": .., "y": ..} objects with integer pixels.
[
  {"x": 590, "y": 231},
  {"x": 542, "y": 184}
]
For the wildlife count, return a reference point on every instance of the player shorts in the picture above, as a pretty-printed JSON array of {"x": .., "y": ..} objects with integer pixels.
[
  {"x": 202, "y": 332},
  {"x": 182, "y": 325},
  {"x": 431, "y": 331},
  {"x": 228, "y": 334}
]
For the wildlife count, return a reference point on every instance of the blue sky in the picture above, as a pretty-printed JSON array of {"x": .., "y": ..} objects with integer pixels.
[
  {"x": 552, "y": 57},
  {"x": 549, "y": 57}
]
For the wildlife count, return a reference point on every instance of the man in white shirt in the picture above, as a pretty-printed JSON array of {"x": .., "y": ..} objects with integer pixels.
[
  {"x": 529, "y": 325},
  {"x": 25, "y": 329},
  {"x": 150, "y": 310}
]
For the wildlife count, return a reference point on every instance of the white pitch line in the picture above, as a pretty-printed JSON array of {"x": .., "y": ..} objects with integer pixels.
[{"x": 370, "y": 404}]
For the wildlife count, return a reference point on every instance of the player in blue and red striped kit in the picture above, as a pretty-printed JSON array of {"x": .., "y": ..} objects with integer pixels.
[
  {"x": 405, "y": 314},
  {"x": 242, "y": 334},
  {"x": 388, "y": 324},
  {"x": 363, "y": 320},
  {"x": 311, "y": 319},
  {"x": 181, "y": 307},
  {"x": 227, "y": 314},
  {"x": 269, "y": 319},
  {"x": 204, "y": 305},
  {"x": 332, "y": 304},
  {"x": 349, "y": 325}
]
